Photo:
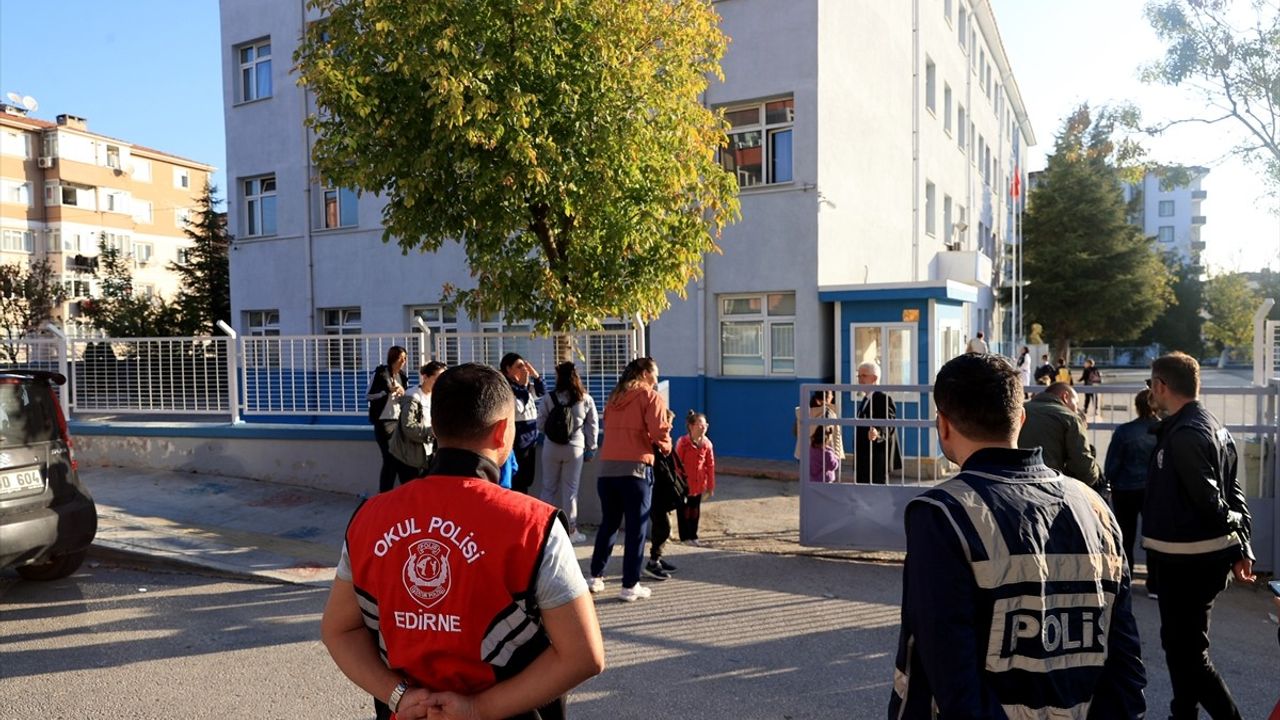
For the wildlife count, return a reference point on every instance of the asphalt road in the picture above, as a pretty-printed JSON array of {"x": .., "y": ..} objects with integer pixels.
[{"x": 735, "y": 635}]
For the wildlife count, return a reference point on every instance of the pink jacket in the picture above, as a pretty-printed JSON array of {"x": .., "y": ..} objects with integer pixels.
[
  {"x": 699, "y": 464},
  {"x": 633, "y": 424}
]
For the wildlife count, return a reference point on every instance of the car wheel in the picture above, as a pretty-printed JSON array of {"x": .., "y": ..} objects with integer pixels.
[{"x": 54, "y": 569}]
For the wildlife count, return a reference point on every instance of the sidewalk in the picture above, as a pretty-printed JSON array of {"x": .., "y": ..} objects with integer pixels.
[
  {"x": 233, "y": 525},
  {"x": 294, "y": 534}
]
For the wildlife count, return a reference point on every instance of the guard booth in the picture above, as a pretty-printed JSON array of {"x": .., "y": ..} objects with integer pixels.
[{"x": 851, "y": 515}]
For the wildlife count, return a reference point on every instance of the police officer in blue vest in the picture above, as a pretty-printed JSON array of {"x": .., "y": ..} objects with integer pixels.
[
  {"x": 1195, "y": 527},
  {"x": 1015, "y": 592}
]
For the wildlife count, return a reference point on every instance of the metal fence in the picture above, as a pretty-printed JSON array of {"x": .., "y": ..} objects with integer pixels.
[
  {"x": 282, "y": 376},
  {"x": 865, "y": 510}
]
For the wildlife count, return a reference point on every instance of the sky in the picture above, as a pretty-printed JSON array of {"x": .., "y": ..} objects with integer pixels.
[{"x": 149, "y": 71}]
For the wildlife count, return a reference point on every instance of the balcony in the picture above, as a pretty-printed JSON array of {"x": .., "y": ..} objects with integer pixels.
[
  {"x": 970, "y": 267},
  {"x": 1197, "y": 246},
  {"x": 1198, "y": 220},
  {"x": 1199, "y": 194}
]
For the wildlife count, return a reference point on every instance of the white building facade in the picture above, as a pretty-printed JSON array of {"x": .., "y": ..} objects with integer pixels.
[
  {"x": 1174, "y": 215},
  {"x": 875, "y": 144}
]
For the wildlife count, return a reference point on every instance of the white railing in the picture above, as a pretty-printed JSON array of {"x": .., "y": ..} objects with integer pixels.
[
  {"x": 186, "y": 375},
  {"x": 869, "y": 516},
  {"x": 279, "y": 375}
]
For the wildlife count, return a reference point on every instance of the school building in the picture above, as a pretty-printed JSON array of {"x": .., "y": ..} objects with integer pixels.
[{"x": 876, "y": 146}]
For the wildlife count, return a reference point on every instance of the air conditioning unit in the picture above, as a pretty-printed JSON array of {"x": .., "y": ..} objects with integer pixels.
[{"x": 45, "y": 162}]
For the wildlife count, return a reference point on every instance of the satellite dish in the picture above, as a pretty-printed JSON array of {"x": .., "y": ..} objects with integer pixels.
[
  {"x": 30, "y": 103},
  {"x": 15, "y": 98}
]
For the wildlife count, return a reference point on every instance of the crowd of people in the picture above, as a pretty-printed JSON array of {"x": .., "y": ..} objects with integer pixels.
[{"x": 1017, "y": 583}]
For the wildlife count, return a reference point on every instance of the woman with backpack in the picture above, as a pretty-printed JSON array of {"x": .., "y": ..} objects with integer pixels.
[
  {"x": 413, "y": 444},
  {"x": 567, "y": 419}
]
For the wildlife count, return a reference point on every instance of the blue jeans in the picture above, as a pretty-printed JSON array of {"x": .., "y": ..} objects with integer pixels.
[{"x": 620, "y": 496}]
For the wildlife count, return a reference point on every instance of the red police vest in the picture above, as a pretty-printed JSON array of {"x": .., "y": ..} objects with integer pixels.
[{"x": 444, "y": 570}]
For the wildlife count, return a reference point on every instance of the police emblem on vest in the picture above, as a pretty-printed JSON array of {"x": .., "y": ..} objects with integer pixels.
[{"x": 426, "y": 572}]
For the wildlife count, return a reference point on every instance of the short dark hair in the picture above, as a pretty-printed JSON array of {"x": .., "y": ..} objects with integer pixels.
[
  {"x": 1179, "y": 371},
  {"x": 508, "y": 360},
  {"x": 433, "y": 368},
  {"x": 1142, "y": 404},
  {"x": 981, "y": 395},
  {"x": 466, "y": 401}
]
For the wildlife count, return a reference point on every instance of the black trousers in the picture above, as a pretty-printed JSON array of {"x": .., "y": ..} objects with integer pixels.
[
  {"x": 1088, "y": 399},
  {"x": 382, "y": 430},
  {"x": 1127, "y": 505},
  {"x": 526, "y": 460},
  {"x": 1189, "y": 584},
  {"x": 689, "y": 516},
  {"x": 659, "y": 532}
]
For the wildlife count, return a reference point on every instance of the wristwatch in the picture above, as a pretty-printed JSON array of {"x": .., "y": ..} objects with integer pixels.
[{"x": 393, "y": 701}]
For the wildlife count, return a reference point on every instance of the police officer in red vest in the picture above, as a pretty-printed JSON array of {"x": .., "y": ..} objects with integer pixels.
[{"x": 456, "y": 597}]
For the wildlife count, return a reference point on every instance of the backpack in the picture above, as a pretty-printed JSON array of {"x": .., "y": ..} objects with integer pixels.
[{"x": 559, "y": 424}]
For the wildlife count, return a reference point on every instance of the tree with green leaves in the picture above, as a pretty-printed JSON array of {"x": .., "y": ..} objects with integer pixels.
[
  {"x": 204, "y": 296},
  {"x": 119, "y": 311},
  {"x": 563, "y": 143},
  {"x": 1090, "y": 274},
  {"x": 29, "y": 297},
  {"x": 1181, "y": 325},
  {"x": 1230, "y": 303},
  {"x": 1231, "y": 57}
]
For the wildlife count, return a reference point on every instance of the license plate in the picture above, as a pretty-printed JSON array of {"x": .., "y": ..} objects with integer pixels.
[{"x": 13, "y": 482}]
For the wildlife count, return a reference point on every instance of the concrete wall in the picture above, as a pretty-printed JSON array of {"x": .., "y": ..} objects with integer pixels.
[{"x": 338, "y": 459}]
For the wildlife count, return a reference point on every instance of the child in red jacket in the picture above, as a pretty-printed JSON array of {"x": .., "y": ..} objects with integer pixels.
[{"x": 699, "y": 461}]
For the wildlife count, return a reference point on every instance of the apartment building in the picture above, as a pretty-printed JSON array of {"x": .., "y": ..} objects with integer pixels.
[
  {"x": 63, "y": 186},
  {"x": 874, "y": 144},
  {"x": 1173, "y": 215}
]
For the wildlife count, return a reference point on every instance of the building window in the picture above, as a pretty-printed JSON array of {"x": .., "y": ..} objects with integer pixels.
[
  {"x": 182, "y": 178},
  {"x": 962, "y": 217},
  {"x": 759, "y": 149},
  {"x": 260, "y": 206},
  {"x": 15, "y": 192},
  {"x": 946, "y": 10},
  {"x": 930, "y": 85},
  {"x": 343, "y": 354},
  {"x": 962, "y": 137},
  {"x": 443, "y": 321},
  {"x": 141, "y": 170},
  {"x": 55, "y": 240},
  {"x": 142, "y": 212},
  {"x": 890, "y": 347},
  {"x": 946, "y": 108},
  {"x": 114, "y": 201},
  {"x": 946, "y": 220},
  {"x": 15, "y": 142},
  {"x": 113, "y": 156},
  {"x": 1166, "y": 233},
  {"x": 758, "y": 334},
  {"x": 339, "y": 208},
  {"x": 119, "y": 242},
  {"x": 17, "y": 241},
  {"x": 962, "y": 29},
  {"x": 49, "y": 145},
  {"x": 255, "y": 70},
  {"x": 930, "y": 208},
  {"x": 181, "y": 216},
  {"x": 142, "y": 253},
  {"x": 1166, "y": 208},
  {"x": 262, "y": 323},
  {"x": 56, "y": 193}
]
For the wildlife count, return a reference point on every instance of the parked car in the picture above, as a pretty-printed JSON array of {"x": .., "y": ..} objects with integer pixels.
[{"x": 47, "y": 517}]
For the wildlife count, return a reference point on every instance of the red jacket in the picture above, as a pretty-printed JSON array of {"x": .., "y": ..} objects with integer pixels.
[
  {"x": 633, "y": 424},
  {"x": 443, "y": 569},
  {"x": 699, "y": 464}
]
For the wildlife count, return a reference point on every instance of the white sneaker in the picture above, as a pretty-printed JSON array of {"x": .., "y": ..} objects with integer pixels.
[
  {"x": 596, "y": 585},
  {"x": 577, "y": 537},
  {"x": 635, "y": 592}
]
